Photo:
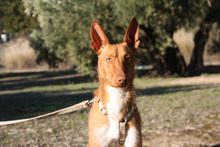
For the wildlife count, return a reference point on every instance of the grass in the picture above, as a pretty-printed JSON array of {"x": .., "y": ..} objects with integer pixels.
[{"x": 174, "y": 111}]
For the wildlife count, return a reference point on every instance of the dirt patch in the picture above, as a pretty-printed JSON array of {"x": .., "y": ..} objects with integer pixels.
[
  {"x": 207, "y": 134},
  {"x": 188, "y": 137}
]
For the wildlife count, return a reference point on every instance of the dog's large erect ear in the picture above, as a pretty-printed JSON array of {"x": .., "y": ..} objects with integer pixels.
[
  {"x": 131, "y": 35},
  {"x": 98, "y": 37}
]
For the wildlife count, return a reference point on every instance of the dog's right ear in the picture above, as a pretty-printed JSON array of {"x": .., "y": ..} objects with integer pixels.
[{"x": 98, "y": 37}]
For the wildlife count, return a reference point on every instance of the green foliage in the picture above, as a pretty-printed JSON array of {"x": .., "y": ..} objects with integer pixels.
[
  {"x": 65, "y": 25},
  {"x": 64, "y": 31},
  {"x": 214, "y": 46},
  {"x": 167, "y": 16},
  {"x": 163, "y": 17},
  {"x": 13, "y": 19}
]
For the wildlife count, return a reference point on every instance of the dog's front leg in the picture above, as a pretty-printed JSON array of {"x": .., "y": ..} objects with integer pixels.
[{"x": 133, "y": 138}]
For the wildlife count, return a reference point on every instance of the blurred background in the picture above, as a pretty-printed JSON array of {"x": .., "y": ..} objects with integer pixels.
[
  {"x": 46, "y": 63},
  {"x": 177, "y": 37}
]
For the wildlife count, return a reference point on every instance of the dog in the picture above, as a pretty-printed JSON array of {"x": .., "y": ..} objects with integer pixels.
[{"x": 114, "y": 119}]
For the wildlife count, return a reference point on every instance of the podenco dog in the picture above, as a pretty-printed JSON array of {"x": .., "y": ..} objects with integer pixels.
[{"x": 114, "y": 119}]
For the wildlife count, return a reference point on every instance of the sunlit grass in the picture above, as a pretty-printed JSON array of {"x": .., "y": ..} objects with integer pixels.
[{"x": 166, "y": 105}]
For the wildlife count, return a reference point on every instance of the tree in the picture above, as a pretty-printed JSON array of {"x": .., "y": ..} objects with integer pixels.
[
  {"x": 64, "y": 28},
  {"x": 13, "y": 19},
  {"x": 202, "y": 36},
  {"x": 158, "y": 21},
  {"x": 173, "y": 15},
  {"x": 169, "y": 16},
  {"x": 214, "y": 47},
  {"x": 164, "y": 18}
]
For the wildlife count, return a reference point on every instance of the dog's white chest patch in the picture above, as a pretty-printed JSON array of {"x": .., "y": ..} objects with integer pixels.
[
  {"x": 115, "y": 104},
  {"x": 108, "y": 133},
  {"x": 116, "y": 101}
]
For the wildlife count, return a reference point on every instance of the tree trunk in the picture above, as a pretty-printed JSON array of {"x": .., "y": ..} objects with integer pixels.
[
  {"x": 200, "y": 39},
  {"x": 171, "y": 63},
  {"x": 175, "y": 61}
]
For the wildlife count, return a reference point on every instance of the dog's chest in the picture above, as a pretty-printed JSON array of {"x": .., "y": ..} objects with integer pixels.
[
  {"x": 110, "y": 131},
  {"x": 117, "y": 96}
]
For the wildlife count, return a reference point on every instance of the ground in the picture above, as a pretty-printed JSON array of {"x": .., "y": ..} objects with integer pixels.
[{"x": 176, "y": 112}]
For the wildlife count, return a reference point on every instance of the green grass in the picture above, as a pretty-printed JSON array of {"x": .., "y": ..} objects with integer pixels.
[{"x": 170, "y": 110}]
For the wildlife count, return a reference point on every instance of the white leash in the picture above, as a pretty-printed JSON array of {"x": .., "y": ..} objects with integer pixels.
[{"x": 70, "y": 109}]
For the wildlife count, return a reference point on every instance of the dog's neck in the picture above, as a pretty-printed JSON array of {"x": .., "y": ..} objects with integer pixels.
[{"x": 117, "y": 101}]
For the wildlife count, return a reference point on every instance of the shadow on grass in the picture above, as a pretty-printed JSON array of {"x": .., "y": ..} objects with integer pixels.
[
  {"x": 43, "y": 79},
  {"x": 29, "y": 104},
  {"x": 211, "y": 69},
  {"x": 217, "y": 145},
  {"x": 173, "y": 89},
  {"x": 41, "y": 73}
]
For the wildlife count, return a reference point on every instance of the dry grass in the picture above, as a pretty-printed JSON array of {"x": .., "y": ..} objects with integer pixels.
[
  {"x": 184, "y": 41},
  {"x": 18, "y": 55}
]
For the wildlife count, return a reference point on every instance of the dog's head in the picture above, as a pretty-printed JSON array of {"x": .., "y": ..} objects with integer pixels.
[{"x": 115, "y": 61}]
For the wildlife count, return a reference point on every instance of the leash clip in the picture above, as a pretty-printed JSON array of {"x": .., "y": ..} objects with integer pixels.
[{"x": 89, "y": 103}]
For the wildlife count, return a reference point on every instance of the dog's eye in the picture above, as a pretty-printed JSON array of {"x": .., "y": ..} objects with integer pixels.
[
  {"x": 108, "y": 59},
  {"x": 128, "y": 58}
]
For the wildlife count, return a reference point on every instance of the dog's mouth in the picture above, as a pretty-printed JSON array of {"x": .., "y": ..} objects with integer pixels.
[{"x": 123, "y": 85}]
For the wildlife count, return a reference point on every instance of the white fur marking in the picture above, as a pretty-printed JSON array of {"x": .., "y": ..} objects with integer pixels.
[
  {"x": 108, "y": 133},
  {"x": 115, "y": 105},
  {"x": 116, "y": 101},
  {"x": 132, "y": 137}
]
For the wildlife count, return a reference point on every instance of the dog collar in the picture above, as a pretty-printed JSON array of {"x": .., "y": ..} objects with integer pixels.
[{"x": 127, "y": 117}]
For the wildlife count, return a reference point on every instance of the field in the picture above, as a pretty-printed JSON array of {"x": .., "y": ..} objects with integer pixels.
[{"x": 176, "y": 112}]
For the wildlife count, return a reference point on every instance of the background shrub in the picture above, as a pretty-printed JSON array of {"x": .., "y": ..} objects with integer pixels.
[{"x": 18, "y": 55}]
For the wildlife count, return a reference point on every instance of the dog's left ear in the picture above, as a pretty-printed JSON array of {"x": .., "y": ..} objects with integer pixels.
[{"x": 132, "y": 33}]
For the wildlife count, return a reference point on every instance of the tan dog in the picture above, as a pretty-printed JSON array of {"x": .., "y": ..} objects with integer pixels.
[{"x": 114, "y": 119}]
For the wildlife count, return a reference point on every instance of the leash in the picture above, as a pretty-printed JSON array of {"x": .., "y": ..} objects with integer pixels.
[{"x": 70, "y": 109}]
